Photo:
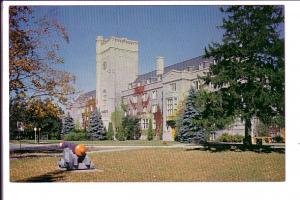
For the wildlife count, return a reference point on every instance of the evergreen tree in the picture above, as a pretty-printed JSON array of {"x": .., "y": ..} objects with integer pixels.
[
  {"x": 131, "y": 127},
  {"x": 190, "y": 130},
  {"x": 96, "y": 129},
  {"x": 249, "y": 67},
  {"x": 68, "y": 124},
  {"x": 110, "y": 132},
  {"x": 150, "y": 132},
  {"x": 213, "y": 114}
]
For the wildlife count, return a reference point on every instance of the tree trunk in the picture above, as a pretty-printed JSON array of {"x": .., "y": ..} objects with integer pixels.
[{"x": 247, "y": 139}]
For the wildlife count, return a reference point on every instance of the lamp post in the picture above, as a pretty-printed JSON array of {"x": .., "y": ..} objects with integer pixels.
[
  {"x": 35, "y": 134},
  {"x": 39, "y": 135}
]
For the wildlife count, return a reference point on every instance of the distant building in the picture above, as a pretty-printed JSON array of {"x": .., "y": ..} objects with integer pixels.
[{"x": 82, "y": 107}]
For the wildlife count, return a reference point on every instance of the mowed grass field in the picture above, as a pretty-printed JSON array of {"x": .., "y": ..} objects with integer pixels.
[{"x": 157, "y": 164}]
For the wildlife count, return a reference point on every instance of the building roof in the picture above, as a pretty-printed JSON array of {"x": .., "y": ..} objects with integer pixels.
[
  {"x": 178, "y": 66},
  {"x": 86, "y": 95}
]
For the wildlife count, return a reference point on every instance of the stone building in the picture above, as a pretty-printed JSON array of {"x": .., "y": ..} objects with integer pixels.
[
  {"x": 158, "y": 95},
  {"x": 116, "y": 67},
  {"x": 81, "y": 108},
  {"x": 155, "y": 95}
]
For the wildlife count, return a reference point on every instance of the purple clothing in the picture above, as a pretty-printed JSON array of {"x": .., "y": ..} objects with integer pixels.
[{"x": 69, "y": 145}]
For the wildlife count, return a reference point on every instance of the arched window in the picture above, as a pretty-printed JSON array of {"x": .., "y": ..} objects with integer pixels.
[{"x": 104, "y": 65}]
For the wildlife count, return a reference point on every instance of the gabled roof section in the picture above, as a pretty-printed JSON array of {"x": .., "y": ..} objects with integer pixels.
[
  {"x": 178, "y": 66},
  {"x": 86, "y": 95}
]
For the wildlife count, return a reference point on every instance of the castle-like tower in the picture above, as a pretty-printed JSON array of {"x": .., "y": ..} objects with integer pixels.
[{"x": 116, "y": 67}]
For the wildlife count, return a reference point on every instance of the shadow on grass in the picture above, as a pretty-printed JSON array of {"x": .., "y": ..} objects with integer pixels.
[
  {"x": 217, "y": 147},
  {"x": 48, "y": 177},
  {"x": 23, "y": 151},
  {"x": 21, "y": 156}
]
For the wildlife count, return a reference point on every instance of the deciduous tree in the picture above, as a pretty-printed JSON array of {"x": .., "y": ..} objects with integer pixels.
[{"x": 33, "y": 57}]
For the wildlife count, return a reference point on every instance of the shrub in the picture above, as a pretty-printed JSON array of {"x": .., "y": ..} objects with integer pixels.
[
  {"x": 131, "y": 127},
  {"x": 150, "y": 132},
  {"x": 226, "y": 137},
  {"x": 54, "y": 136},
  {"x": 75, "y": 136},
  {"x": 110, "y": 132},
  {"x": 120, "y": 134},
  {"x": 278, "y": 139}
]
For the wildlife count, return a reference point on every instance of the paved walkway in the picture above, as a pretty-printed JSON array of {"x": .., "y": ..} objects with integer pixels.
[
  {"x": 49, "y": 147},
  {"x": 54, "y": 148}
]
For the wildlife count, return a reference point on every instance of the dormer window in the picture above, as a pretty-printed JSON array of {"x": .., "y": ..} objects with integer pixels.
[{"x": 145, "y": 97}]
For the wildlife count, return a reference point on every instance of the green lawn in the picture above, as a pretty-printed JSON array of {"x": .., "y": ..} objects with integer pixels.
[
  {"x": 158, "y": 165},
  {"x": 106, "y": 142}
]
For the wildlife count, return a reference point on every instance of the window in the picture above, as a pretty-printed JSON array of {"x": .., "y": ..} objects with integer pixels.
[
  {"x": 154, "y": 109},
  {"x": 174, "y": 104},
  {"x": 134, "y": 111},
  {"x": 134, "y": 99},
  {"x": 154, "y": 94},
  {"x": 104, "y": 65},
  {"x": 144, "y": 123},
  {"x": 173, "y": 86},
  {"x": 145, "y": 97},
  {"x": 154, "y": 124},
  {"x": 144, "y": 109},
  {"x": 197, "y": 85},
  {"x": 170, "y": 106}
]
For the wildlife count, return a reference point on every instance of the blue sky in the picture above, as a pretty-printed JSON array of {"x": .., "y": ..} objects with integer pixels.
[{"x": 177, "y": 33}]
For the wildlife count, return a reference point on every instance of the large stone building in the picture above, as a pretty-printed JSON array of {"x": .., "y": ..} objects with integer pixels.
[
  {"x": 116, "y": 67},
  {"x": 157, "y": 95}
]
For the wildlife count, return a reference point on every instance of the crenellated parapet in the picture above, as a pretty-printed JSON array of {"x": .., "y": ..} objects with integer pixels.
[{"x": 104, "y": 44}]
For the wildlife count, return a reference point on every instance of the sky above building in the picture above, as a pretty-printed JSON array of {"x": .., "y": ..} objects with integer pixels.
[{"x": 177, "y": 33}]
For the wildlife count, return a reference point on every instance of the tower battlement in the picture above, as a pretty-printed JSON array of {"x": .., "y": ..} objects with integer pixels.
[{"x": 104, "y": 44}]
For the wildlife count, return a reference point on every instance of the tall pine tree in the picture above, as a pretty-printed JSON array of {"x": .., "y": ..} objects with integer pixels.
[
  {"x": 249, "y": 69},
  {"x": 96, "y": 129},
  {"x": 189, "y": 130},
  {"x": 68, "y": 124}
]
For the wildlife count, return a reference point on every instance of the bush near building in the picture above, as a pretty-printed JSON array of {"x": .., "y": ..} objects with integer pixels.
[
  {"x": 110, "y": 132},
  {"x": 76, "y": 136},
  {"x": 120, "y": 134},
  {"x": 150, "y": 132},
  {"x": 226, "y": 137}
]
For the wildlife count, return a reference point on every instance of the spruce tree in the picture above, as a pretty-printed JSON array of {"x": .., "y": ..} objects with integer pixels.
[
  {"x": 68, "y": 124},
  {"x": 189, "y": 130},
  {"x": 96, "y": 129},
  {"x": 249, "y": 67}
]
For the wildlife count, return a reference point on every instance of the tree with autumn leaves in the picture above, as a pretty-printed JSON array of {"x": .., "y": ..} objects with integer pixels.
[{"x": 34, "y": 78}]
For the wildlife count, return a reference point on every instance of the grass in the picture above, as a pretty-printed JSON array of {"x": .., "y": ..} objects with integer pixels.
[
  {"x": 158, "y": 164},
  {"x": 105, "y": 142}
]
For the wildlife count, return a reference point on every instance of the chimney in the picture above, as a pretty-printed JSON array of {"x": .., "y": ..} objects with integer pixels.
[{"x": 159, "y": 66}]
